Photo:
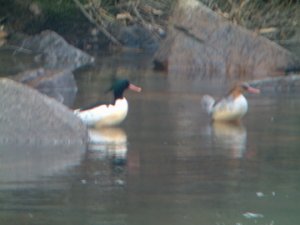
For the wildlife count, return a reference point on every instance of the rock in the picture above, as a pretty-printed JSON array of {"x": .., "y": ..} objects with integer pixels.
[
  {"x": 136, "y": 36},
  {"x": 58, "y": 84},
  {"x": 293, "y": 44},
  {"x": 281, "y": 84},
  {"x": 27, "y": 116},
  {"x": 202, "y": 43},
  {"x": 53, "y": 52}
]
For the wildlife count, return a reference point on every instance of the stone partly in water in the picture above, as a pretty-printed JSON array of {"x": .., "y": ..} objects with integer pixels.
[
  {"x": 53, "y": 52},
  {"x": 202, "y": 43},
  {"x": 280, "y": 84},
  {"x": 58, "y": 84},
  {"x": 39, "y": 137},
  {"x": 28, "y": 116}
]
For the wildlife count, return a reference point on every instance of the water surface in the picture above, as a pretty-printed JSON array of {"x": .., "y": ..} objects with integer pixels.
[{"x": 167, "y": 164}]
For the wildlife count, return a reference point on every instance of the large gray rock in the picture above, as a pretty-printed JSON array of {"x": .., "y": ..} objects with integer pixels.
[
  {"x": 28, "y": 116},
  {"x": 201, "y": 42},
  {"x": 39, "y": 137},
  {"x": 53, "y": 52},
  {"x": 58, "y": 84}
]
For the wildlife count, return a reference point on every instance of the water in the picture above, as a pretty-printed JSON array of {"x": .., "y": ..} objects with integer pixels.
[{"x": 167, "y": 164}]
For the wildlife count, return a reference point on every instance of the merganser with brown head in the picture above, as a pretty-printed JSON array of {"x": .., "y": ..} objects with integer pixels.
[
  {"x": 230, "y": 108},
  {"x": 108, "y": 114}
]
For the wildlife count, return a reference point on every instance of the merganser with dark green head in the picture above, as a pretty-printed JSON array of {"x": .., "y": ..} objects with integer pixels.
[{"x": 99, "y": 115}]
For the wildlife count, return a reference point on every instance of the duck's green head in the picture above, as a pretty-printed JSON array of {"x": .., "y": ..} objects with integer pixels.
[{"x": 121, "y": 85}]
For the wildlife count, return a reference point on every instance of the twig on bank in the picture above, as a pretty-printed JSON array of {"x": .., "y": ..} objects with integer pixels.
[{"x": 101, "y": 26}]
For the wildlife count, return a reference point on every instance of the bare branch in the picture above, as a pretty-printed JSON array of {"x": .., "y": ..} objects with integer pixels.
[{"x": 101, "y": 26}]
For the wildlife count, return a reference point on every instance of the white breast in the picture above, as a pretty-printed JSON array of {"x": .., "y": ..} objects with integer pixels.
[
  {"x": 230, "y": 109},
  {"x": 105, "y": 115}
]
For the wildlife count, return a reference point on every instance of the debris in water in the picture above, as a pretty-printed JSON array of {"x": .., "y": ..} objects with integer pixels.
[
  {"x": 250, "y": 215},
  {"x": 260, "y": 194},
  {"x": 119, "y": 182}
]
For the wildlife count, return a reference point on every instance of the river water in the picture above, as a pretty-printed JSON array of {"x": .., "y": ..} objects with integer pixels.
[{"x": 166, "y": 163}]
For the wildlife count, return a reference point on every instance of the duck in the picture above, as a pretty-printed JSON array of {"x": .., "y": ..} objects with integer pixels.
[
  {"x": 102, "y": 115},
  {"x": 232, "y": 107}
]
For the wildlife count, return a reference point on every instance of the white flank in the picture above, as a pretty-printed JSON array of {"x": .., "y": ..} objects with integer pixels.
[
  {"x": 105, "y": 115},
  {"x": 230, "y": 109}
]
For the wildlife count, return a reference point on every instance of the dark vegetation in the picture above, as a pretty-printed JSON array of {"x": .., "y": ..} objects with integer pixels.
[
  {"x": 92, "y": 22},
  {"x": 278, "y": 20},
  {"x": 84, "y": 22}
]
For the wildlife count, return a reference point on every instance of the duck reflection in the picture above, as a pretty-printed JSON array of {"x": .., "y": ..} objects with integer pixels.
[
  {"x": 231, "y": 136},
  {"x": 108, "y": 142}
]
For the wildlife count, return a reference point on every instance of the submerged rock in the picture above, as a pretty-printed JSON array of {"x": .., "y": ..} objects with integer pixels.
[
  {"x": 289, "y": 83},
  {"x": 28, "y": 165},
  {"x": 27, "y": 116},
  {"x": 202, "y": 43},
  {"x": 53, "y": 52},
  {"x": 58, "y": 84}
]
